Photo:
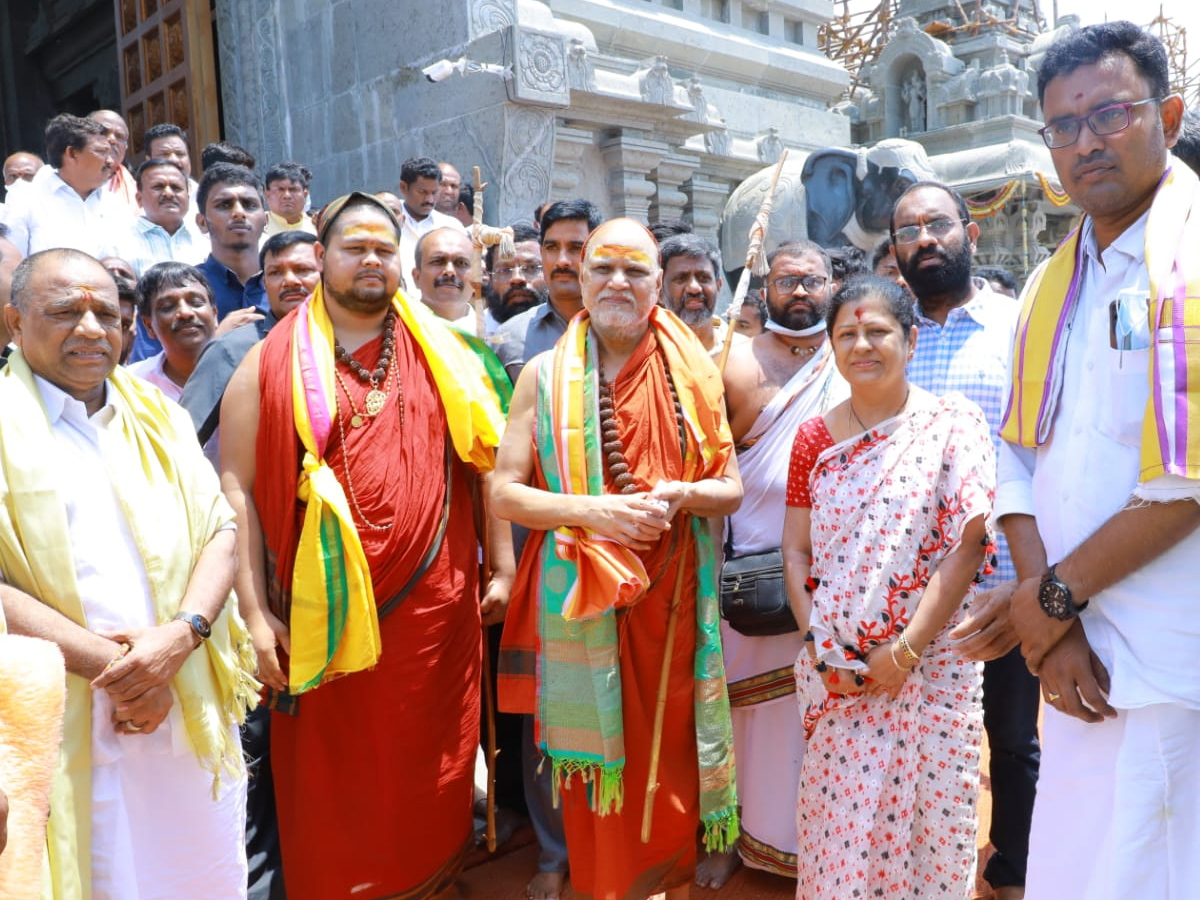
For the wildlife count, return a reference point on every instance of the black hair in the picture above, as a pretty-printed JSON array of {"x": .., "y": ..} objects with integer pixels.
[
  {"x": 960, "y": 203},
  {"x": 880, "y": 253},
  {"x": 289, "y": 171},
  {"x": 755, "y": 299},
  {"x": 153, "y": 163},
  {"x": 667, "y": 228},
  {"x": 792, "y": 249},
  {"x": 571, "y": 209},
  {"x": 846, "y": 262},
  {"x": 419, "y": 167},
  {"x": 898, "y": 301},
  {"x": 222, "y": 152},
  {"x": 997, "y": 273},
  {"x": 226, "y": 173},
  {"x": 164, "y": 275},
  {"x": 279, "y": 242},
  {"x": 164, "y": 130},
  {"x": 1090, "y": 45},
  {"x": 692, "y": 246},
  {"x": 67, "y": 132},
  {"x": 466, "y": 196}
]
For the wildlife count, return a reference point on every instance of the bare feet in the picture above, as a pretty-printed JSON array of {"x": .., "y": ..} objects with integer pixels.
[
  {"x": 716, "y": 869},
  {"x": 546, "y": 886}
]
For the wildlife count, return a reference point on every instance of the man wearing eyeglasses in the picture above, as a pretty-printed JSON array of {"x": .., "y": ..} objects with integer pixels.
[
  {"x": 1100, "y": 477},
  {"x": 963, "y": 345},
  {"x": 516, "y": 284},
  {"x": 773, "y": 382}
]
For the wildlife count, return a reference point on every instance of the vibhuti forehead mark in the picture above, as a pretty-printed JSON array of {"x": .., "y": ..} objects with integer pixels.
[
  {"x": 369, "y": 230},
  {"x": 621, "y": 251}
]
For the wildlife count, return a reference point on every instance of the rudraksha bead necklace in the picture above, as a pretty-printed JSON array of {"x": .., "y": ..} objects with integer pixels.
[
  {"x": 376, "y": 398},
  {"x": 612, "y": 450}
]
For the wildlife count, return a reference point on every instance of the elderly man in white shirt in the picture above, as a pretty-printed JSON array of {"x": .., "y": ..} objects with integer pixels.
[
  {"x": 117, "y": 545},
  {"x": 1094, "y": 479},
  {"x": 420, "y": 183},
  {"x": 66, "y": 204}
]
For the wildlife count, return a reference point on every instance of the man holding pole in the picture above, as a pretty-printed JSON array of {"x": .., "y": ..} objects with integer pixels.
[{"x": 617, "y": 449}]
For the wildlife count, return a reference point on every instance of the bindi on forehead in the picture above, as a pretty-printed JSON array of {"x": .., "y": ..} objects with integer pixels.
[{"x": 858, "y": 313}]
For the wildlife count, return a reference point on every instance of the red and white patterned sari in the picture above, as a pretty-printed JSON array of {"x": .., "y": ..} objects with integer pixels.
[{"x": 888, "y": 787}]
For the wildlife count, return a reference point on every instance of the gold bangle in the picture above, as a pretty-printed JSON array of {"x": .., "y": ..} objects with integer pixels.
[
  {"x": 908, "y": 650},
  {"x": 897, "y": 663}
]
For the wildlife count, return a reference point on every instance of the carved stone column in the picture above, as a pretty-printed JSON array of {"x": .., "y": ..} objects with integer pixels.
[
  {"x": 669, "y": 199},
  {"x": 705, "y": 201},
  {"x": 569, "y": 146},
  {"x": 630, "y": 160}
]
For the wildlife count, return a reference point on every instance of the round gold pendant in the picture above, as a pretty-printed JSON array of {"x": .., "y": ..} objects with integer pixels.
[
  {"x": 375, "y": 402},
  {"x": 356, "y": 421}
]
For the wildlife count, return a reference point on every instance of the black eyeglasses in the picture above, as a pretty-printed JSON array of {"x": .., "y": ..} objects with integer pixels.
[
  {"x": 1103, "y": 121},
  {"x": 786, "y": 284},
  {"x": 938, "y": 228},
  {"x": 528, "y": 272}
]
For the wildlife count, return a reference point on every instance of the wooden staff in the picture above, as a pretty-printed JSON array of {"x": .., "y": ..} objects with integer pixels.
[
  {"x": 664, "y": 677},
  {"x": 477, "y": 302},
  {"x": 755, "y": 258},
  {"x": 489, "y": 703}
]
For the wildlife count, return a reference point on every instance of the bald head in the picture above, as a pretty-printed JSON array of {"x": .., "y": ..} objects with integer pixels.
[
  {"x": 115, "y": 130},
  {"x": 66, "y": 318},
  {"x": 443, "y": 261},
  {"x": 10, "y": 257},
  {"x": 620, "y": 278},
  {"x": 21, "y": 165}
]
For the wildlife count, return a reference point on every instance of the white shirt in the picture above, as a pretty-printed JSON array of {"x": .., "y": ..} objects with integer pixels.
[
  {"x": 50, "y": 214},
  {"x": 152, "y": 370},
  {"x": 1143, "y": 628},
  {"x": 411, "y": 231},
  {"x": 143, "y": 244}
]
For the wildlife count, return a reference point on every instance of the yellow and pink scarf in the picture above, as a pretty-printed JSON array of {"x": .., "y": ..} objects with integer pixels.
[{"x": 1171, "y": 428}]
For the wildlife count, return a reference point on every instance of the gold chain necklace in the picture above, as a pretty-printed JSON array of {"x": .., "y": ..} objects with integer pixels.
[{"x": 862, "y": 425}]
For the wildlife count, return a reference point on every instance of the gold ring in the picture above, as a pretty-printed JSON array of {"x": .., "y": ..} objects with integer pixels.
[{"x": 1051, "y": 697}]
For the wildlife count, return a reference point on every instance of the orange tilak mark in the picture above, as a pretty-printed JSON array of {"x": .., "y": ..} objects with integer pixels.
[{"x": 620, "y": 251}]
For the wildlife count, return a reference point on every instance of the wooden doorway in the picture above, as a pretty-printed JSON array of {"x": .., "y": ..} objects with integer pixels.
[{"x": 168, "y": 69}]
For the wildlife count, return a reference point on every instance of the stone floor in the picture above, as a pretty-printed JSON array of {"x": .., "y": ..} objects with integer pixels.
[{"x": 503, "y": 876}]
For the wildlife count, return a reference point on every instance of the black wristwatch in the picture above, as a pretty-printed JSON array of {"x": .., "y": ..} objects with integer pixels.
[
  {"x": 1056, "y": 599},
  {"x": 199, "y": 624}
]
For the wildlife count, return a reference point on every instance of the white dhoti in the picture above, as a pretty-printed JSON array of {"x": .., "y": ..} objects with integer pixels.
[
  {"x": 768, "y": 733},
  {"x": 1118, "y": 808}
]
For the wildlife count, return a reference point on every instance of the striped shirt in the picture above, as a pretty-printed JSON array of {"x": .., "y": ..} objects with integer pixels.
[{"x": 970, "y": 355}]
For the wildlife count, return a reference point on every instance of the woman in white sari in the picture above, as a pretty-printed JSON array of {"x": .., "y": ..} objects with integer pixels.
[{"x": 888, "y": 497}]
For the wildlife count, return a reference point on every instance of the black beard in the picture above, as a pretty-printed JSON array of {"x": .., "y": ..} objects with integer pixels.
[
  {"x": 800, "y": 318},
  {"x": 505, "y": 308},
  {"x": 952, "y": 276}
]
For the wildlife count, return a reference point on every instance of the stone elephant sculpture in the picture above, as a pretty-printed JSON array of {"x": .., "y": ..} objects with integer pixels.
[{"x": 833, "y": 196}]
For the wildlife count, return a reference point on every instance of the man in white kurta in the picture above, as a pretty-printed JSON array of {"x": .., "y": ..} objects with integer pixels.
[
  {"x": 768, "y": 732},
  {"x": 155, "y": 731},
  {"x": 773, "y": 383},
  {"x": 1117, "y": 813}
]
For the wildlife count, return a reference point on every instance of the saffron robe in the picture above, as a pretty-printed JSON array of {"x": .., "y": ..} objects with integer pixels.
[
  {"x": 373, "y": 776},
  {"x": 607, "y": 859}
]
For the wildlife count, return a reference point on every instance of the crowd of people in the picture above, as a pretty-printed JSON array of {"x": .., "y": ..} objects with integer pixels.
[{"x": 322, "y": 504}]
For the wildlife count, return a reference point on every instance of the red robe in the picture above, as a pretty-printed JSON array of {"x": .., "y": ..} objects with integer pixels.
[
  {"x": 608, "y": 860},
  {"x": 374, "y": 776}
]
